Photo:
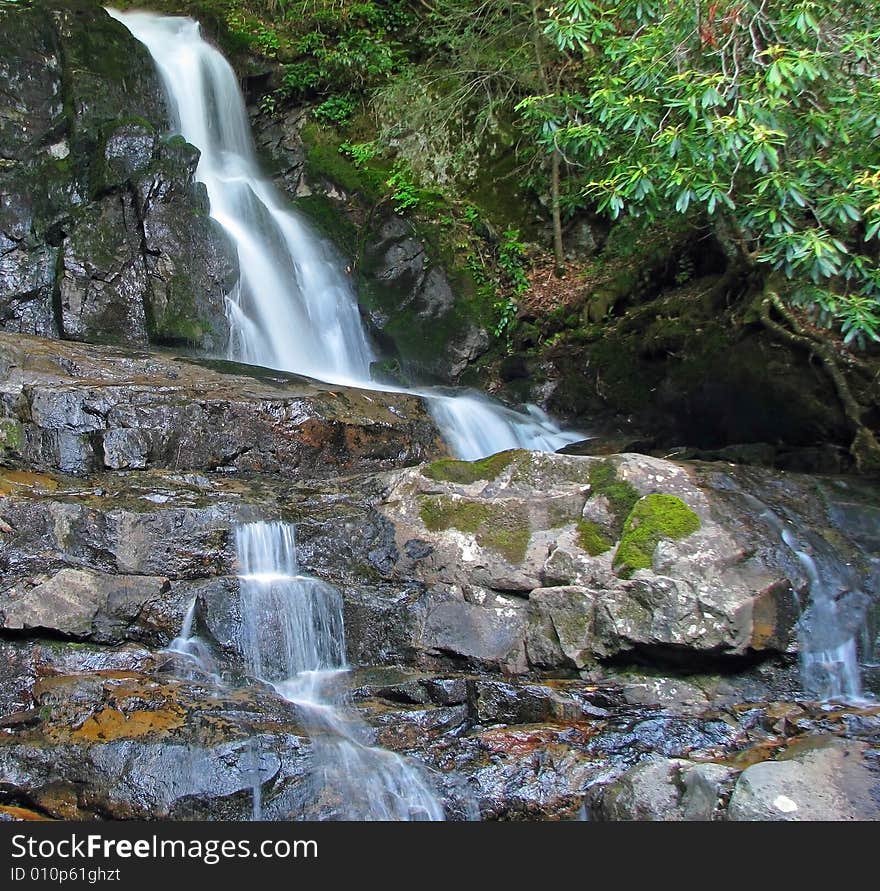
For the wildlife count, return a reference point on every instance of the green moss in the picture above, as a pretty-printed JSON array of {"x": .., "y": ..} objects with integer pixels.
[
  {"x": 324, "y": 159},
  {"x": 509, "y": 537},
  {"x": 327, "y": 215},
  {"x": 653, "y": 518},
  {"x": 11, "y": 435},
  {"x": 495, "y": 527},
  {"x": 445, "y": 513},
  {"x": 452, "y": 471},
  {"x": 591, "y": 538},
  {"x": 622, "y": 496},
  {"x": 178, "y": 322}
]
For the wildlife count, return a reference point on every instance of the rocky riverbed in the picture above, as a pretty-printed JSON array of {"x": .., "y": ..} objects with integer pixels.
[{"x": 552, "y": 636}]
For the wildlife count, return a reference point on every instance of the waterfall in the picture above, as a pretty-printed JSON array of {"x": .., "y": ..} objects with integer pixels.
[
  {"x": 190, "y": 645},
  {"x": 826, "y": 635},
  {"x": 829, "y": 626},
  {"x": 293, "y": 637},
  {"x": 294, "y": 308}
]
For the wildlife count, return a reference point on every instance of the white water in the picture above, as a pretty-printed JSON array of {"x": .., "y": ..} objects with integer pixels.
[
  {"x": 826, "y": 638},
  {"x": 829, "y": 625},
  {"x": 294, "y": 308},
  {"x": 190, "y": 645},
  {"x": 293, "y": 638}
]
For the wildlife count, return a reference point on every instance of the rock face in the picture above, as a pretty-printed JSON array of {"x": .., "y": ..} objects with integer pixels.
[
  {"x": 104, "y": 236},
  {"x": 410, "y": 305},
  {"x": 99, "y": 720},
  {"x": 555, "y": 562},
  {"x": 78, "y": 409}
]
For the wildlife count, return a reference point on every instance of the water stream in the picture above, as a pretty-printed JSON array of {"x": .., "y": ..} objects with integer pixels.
[
  {"x": 294, "y": 307},
  {"x": 293, "y": 637},
  {"x": 829, "y": 626}
]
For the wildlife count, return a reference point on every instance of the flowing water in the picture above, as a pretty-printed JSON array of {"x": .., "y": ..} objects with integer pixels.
[
  {"x": 190, "y": 645},
  {"x": 294, "y": 638},
  {"x": 834, "y": 617},
  {"x": 294, "y": 308}
]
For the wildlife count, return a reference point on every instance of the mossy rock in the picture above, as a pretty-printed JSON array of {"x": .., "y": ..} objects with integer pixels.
[
  {"x": 501, "y": 528},
  {"x": 654, "y": 518},
  {"x": 621, "y": 495},
  {"x": 126, "y": 150},
  {"x": 450, "y": 470},
  {"x": 443, "y": 513},
  {"x": 324, "y": 159},
  {"x": 178, "y": 321},
  {"x": 332, "y": 222},
  {"x": 591, "y": 538}
]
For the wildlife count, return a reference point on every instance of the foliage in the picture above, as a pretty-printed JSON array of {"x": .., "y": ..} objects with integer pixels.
[
  {"x": 511, "y": 260},
  {"x": 405, "y": 194},
  {"x": 762, "y": 114},
  {"x": 336, "y": 109}
]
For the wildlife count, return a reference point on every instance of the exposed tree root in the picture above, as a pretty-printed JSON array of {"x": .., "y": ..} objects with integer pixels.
[{"x": 864, "y": 448}]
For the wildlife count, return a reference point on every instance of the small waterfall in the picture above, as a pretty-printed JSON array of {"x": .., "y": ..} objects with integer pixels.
[
  {"x": 292, "y": 623},
  {"x": 826, "y": 636},
  {"x": 190, "y": 645},
  {"x": 294, "y": 308},
  {"x": 829, "y": 626},
  {"x": 474, "y": 427},
  {"x": 293, "y": 638}
]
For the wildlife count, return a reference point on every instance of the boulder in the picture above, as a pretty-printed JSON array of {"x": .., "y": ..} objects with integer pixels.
[
  {"x": 668, "y": 789},
  {"x": 823, "y": 779},
  {"x": 596, "y": 558}
]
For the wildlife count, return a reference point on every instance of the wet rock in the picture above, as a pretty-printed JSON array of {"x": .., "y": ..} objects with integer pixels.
[
  {"x": 662, "y": 789},
  {"x": 128, "y": 745},
  {"x": 822, "y": 780},
  {"x": 104, "y": 280},
  {"x": 531, "y": 773},
  {"x": 279, "y": 137},
  {"x": 82, "y": 410},
  {"x": 633, "y": 736},
  {"x": 672, "y": 693},
  {"x": 103, "y": 232},
  {"x": 95, "y": 606},
  {"x": 497, "y": 703}
]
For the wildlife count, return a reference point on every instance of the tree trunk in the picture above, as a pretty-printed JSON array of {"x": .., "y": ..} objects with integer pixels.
[
  {"x": 556, "y": 209},
  {"x": 556, "y": 157}
]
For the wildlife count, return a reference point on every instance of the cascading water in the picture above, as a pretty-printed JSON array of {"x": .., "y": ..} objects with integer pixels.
[
  {"x": 293, "y": 637},
  {"x": 190, "y": 645},
  {"x": 474, "y": 427},
  {"x": 294, "y": 308},
  {"x": 829, "y": 626}
]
